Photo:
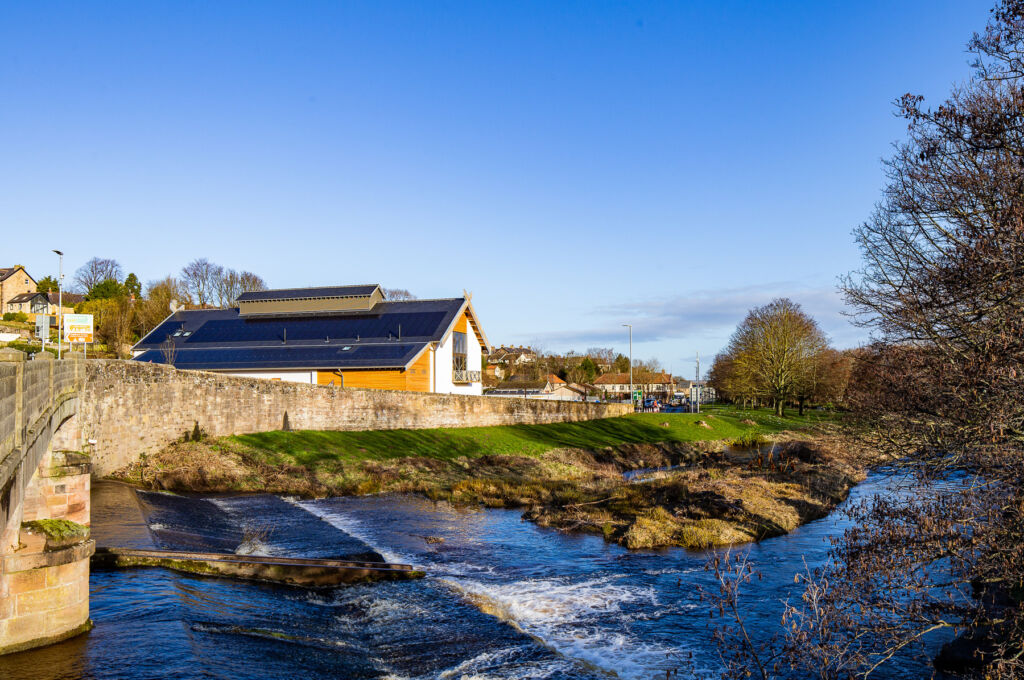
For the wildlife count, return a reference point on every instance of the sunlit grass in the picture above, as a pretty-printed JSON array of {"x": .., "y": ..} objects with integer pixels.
[{"x": 305, "y": 447}]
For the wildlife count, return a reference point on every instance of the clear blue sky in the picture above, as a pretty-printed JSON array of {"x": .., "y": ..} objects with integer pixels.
[{"x": 576, "y": 165}]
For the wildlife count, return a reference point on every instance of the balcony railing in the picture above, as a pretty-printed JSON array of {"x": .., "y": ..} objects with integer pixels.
[{"x": 465, "y": 376}]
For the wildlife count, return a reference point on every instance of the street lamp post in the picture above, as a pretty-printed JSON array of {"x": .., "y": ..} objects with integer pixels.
[
  {"x": 630, "y": 326},
  {"x": 60, "y": 302}
]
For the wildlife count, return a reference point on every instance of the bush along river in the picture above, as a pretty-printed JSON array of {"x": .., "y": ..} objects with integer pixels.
[{"x": 503, "y": 598}]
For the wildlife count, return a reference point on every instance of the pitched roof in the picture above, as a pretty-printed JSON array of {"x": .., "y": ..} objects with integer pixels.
[
  {"x": 306, "y": 293},
  {"x": 623, "y": 379},
  {"x": 24, "y": 297},
  {"x": 6, "y": 272},
  {"x": 554, "y": 379},
  {"x": 68, "y": 298},
  {"x": 391, "y": 335},
  {"x": 520, "y": 385}
]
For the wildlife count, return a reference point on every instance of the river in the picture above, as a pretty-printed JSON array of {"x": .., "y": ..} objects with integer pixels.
[{"x": 502, "y": 598}]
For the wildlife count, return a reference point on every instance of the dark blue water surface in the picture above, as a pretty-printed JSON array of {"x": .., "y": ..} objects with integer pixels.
[{"x": 502, "y": 599}]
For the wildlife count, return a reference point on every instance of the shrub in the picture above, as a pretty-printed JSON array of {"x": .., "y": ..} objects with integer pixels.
[{"x": 16, "y": 316}]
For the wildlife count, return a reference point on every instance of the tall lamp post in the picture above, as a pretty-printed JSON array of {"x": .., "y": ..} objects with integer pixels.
[
  {"x": 630, "y": 326},
  {"x": 60, "y": 302}
]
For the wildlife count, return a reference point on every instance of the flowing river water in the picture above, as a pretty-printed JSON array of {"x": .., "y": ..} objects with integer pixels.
[{"x": 502, "y": 598}]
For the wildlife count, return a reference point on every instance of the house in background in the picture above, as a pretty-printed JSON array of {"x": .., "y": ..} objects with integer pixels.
[
  {"x": 14, "y": 281},
  {"x": 616, "y": 385},
  {"x": 688, "y": 388},
  {"x": 347, "y": 336},
  {"x": 34, "y": 304},
  {"x": 551, "y": 388},
  {"x": 513, "y": 356}
]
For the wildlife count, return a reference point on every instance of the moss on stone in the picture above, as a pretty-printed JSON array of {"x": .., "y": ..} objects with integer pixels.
[{"x": 61, "y": 530}]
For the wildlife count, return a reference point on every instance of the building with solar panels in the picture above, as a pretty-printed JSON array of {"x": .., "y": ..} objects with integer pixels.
[{"x": 347, "y": 336}]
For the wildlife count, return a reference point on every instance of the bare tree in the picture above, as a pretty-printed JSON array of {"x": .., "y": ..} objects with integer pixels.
[
  {"x": 251, "y": 283},
  {"x": 97, "y": 270},
  {"x": 942, "y": 287},
  {"x": 199, "y": 277},
  {"x": 227, "y": 286},
  {"x": 396, "y": 294}
]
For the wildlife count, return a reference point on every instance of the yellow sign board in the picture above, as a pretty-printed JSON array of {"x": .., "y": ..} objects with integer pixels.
[{"x": 78, "y": 328}]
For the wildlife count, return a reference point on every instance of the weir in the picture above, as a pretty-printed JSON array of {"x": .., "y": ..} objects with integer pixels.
[
  {"x": 49, "y": 409},
  {"x": 44, "y": 503}
]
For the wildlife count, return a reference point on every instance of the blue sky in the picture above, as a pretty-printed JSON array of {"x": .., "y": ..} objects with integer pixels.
[{"x": 576, "y": 165}]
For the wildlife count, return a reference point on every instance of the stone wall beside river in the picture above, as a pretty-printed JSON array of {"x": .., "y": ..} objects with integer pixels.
[{"x": 131, "y": 408}]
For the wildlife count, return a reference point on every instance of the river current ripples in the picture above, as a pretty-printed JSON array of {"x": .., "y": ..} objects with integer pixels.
[{"x": 502, "y": 597}]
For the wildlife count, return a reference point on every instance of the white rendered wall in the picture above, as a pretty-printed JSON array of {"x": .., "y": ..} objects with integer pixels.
[{"x": 443, "y": 362}]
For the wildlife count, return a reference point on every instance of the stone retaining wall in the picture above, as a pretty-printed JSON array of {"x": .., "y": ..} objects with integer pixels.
[{"x": 130, "y": 408}]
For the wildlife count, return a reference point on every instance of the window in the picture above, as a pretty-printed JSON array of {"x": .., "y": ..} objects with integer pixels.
[{"x": 459, "y": 358}]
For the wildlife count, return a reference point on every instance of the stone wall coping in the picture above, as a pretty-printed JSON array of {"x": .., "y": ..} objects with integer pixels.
[{"x": 50, "y": 558}]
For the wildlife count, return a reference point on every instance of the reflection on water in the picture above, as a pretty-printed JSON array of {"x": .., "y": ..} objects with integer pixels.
[{"x": 503, "y": 598}]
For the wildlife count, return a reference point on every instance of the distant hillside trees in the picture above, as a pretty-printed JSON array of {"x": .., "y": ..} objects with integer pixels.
[
  {"x": 397, "y": 294},
  {"x": 123, "y": 311}
]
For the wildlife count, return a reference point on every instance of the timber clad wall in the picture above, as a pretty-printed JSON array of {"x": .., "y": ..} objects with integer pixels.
[
  {"x": 415, "y": 379},
  {"x": 131, "y": 408}
]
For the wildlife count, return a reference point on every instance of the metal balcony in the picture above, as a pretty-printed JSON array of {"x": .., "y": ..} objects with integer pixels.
[{"x": 465, "y": 376}]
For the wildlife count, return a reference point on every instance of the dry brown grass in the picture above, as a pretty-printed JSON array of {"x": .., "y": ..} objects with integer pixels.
[{"x": 717, "y": 497}]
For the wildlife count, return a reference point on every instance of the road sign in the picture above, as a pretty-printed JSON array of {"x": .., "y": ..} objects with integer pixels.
[
  {"x": 78, "y": 327},
  {"x": 42, "y": 327}
]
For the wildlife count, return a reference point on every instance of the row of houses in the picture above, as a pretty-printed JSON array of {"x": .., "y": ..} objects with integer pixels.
[
  {"x": 615, "y": 386},
  {"x": 18, "y": 294}
]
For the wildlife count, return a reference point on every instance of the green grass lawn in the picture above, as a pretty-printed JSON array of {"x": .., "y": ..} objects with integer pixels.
[{"x": 307, "y": 447}]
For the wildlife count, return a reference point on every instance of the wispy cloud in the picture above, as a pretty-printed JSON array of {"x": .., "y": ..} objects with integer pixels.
[{"x": 706, "y": 317}]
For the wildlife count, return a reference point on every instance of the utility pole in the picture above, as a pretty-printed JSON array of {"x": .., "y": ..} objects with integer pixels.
[
  {"x": 60, "y": 302},
  {"x": 696, "y": 385},
  {"x": 630, "y": 326}
]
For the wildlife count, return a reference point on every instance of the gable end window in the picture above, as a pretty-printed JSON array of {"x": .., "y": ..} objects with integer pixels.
[{"x": 459, "y": 350}]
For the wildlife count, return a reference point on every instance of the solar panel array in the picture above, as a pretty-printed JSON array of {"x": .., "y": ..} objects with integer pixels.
[
  {"x": 328, "y": 357},
  {"x": 298, "y": 293},
  {"x": 242, "y": 330}
]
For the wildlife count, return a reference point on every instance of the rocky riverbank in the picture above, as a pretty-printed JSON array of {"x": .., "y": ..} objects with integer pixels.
[{"x": 715, "y": 493}]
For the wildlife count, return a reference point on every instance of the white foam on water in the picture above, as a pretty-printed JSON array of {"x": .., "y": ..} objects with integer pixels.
[
  {"x": 566, "y": 617},
  {"x": 350, "y": 526},
  {"x": 579, "y": 620},
  {"x": 258, "y": 545},
  {"x": 501, "y": 664}
]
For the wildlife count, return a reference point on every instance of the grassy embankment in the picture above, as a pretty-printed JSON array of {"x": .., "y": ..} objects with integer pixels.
[{"x": 567, "y": 475}]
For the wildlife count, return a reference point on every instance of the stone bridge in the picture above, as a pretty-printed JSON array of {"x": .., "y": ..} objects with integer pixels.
[
  {"x": 52, "y": 413},
  {"x": 44, "y": 564}
]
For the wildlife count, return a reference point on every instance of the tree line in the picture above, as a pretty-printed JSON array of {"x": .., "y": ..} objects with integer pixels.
[
  {"x": 125, "y": 311},
  {"x": 939, "y": 388}
]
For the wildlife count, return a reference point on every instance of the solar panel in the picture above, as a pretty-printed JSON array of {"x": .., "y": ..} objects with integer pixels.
[
  {"x": 365, "y": 356},
  {"x": 313, "y": 328},
  {"x": 298, "y": 293}
]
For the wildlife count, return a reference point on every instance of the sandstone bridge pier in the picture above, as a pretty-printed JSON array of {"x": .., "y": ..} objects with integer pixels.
[{"x": 44, "y": 564}]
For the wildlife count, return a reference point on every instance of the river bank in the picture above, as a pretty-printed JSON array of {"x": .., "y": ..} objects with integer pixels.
[{"x": 736, "y": 476}]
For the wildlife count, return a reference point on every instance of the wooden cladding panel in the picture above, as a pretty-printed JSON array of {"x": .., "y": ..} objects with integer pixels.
[
  {"x": 418, "y": 375},
  {"x": 416, "y": 379}
]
